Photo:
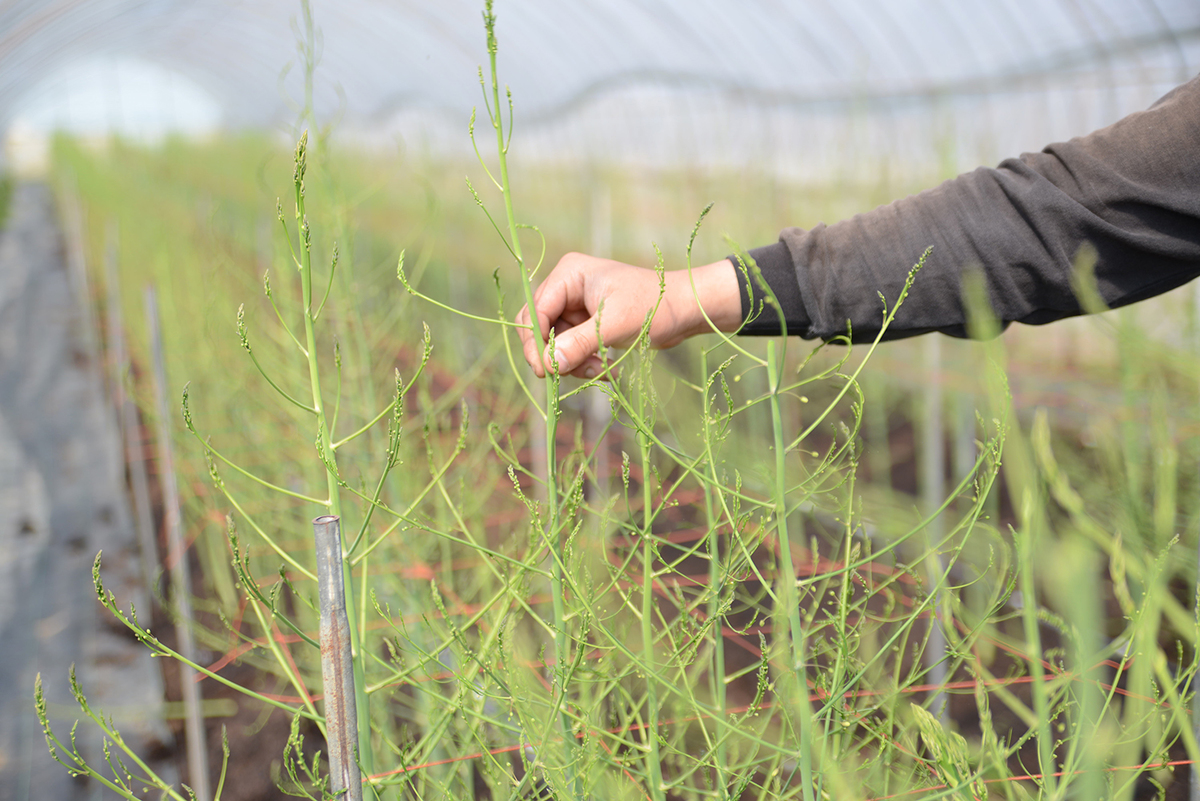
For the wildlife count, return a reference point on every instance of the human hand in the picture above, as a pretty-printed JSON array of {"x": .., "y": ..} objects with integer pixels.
[{"x": 580, "y": 287}]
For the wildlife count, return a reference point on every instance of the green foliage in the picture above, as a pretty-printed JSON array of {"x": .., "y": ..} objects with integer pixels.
[
  {"x": 127, "y": 774},
  {"x": 730, "y": 620}
]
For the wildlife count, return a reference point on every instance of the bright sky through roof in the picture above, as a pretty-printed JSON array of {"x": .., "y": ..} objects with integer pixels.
[{"x": 131, "y": 97}]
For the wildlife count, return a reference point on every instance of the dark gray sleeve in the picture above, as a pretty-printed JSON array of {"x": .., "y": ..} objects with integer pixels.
[{"x": 1132, "y": 190}]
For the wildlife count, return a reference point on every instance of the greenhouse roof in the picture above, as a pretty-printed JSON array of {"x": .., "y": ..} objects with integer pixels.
[{"x": 381, "y": 59}]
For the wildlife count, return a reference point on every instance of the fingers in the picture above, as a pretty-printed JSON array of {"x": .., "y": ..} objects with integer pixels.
[
  {"x": 593, "y": 366},
  {"x": 529, "y": 343},
  {"x": 571, "y": 300},
  {"x": 574, "y": 346},
  {"x": 530, "y": 347},
  {"x": 558, "y": 302}
]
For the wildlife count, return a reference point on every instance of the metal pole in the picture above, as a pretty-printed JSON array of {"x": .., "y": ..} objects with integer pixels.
[
  {"x": 181, "y": 588},
  {"x": 337, "y": 663},
  {"x": 135, "y": 456},
  {"x": 879, "y": 434},
  {"x": 77, "y": 264},
  {"x": 537, "y": 444},
  {"x": 597, "y": 410},
  {"x": 933, "y": 486},
  {"x": 964, "y": 436},
  {"x": 113, "y": 324}
]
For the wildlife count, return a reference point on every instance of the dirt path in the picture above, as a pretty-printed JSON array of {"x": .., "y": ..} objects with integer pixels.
[{"x": 61, "y": 500}]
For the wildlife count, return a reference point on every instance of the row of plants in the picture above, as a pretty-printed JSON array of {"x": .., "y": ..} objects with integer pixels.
[{"x": 684, "y": 598}]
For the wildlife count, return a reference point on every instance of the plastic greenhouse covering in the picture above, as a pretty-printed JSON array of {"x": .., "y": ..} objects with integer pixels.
[{"x": 790, "y": 84}]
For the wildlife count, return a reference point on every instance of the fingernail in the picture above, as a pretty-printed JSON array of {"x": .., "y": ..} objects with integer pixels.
[
  {"x": 559, "y": 357},
  {"x": 590, "y": 372}
]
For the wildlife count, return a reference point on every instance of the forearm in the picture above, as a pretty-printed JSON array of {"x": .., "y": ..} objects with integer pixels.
[
  {"x": 1129, "y": 190},
  {"x": 700, "y": 300}
]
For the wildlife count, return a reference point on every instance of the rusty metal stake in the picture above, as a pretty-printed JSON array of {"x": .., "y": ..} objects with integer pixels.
[{"x": 337, "y": 663}]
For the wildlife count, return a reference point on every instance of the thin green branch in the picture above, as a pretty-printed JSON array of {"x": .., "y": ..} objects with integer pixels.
[
  {"x": 475, "y": 145},
  {"x": 287, "y": 557},
  {"x": 241, "y": 327},
  {"x": 109, "y": 601},
  {"x": 273, "y": 487},
  {"x": 328, "y": 286},
  {"x": 278, "y": 314}
]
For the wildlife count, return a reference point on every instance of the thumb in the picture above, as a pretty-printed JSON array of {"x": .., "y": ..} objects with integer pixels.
[{"x": 573, "y": 346}]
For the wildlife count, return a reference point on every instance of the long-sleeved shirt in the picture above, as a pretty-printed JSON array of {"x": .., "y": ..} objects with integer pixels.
[{"x": 1131, "y": 190}]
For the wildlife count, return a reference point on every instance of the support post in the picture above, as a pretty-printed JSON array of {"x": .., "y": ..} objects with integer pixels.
[
  {"x": 933, "y": 487},
  {"x": 597, "y": 410},
  {"x": 181, "y": 585},
  {"x": 337, "y": 663},
  {"x": 127, "y": 418}
]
